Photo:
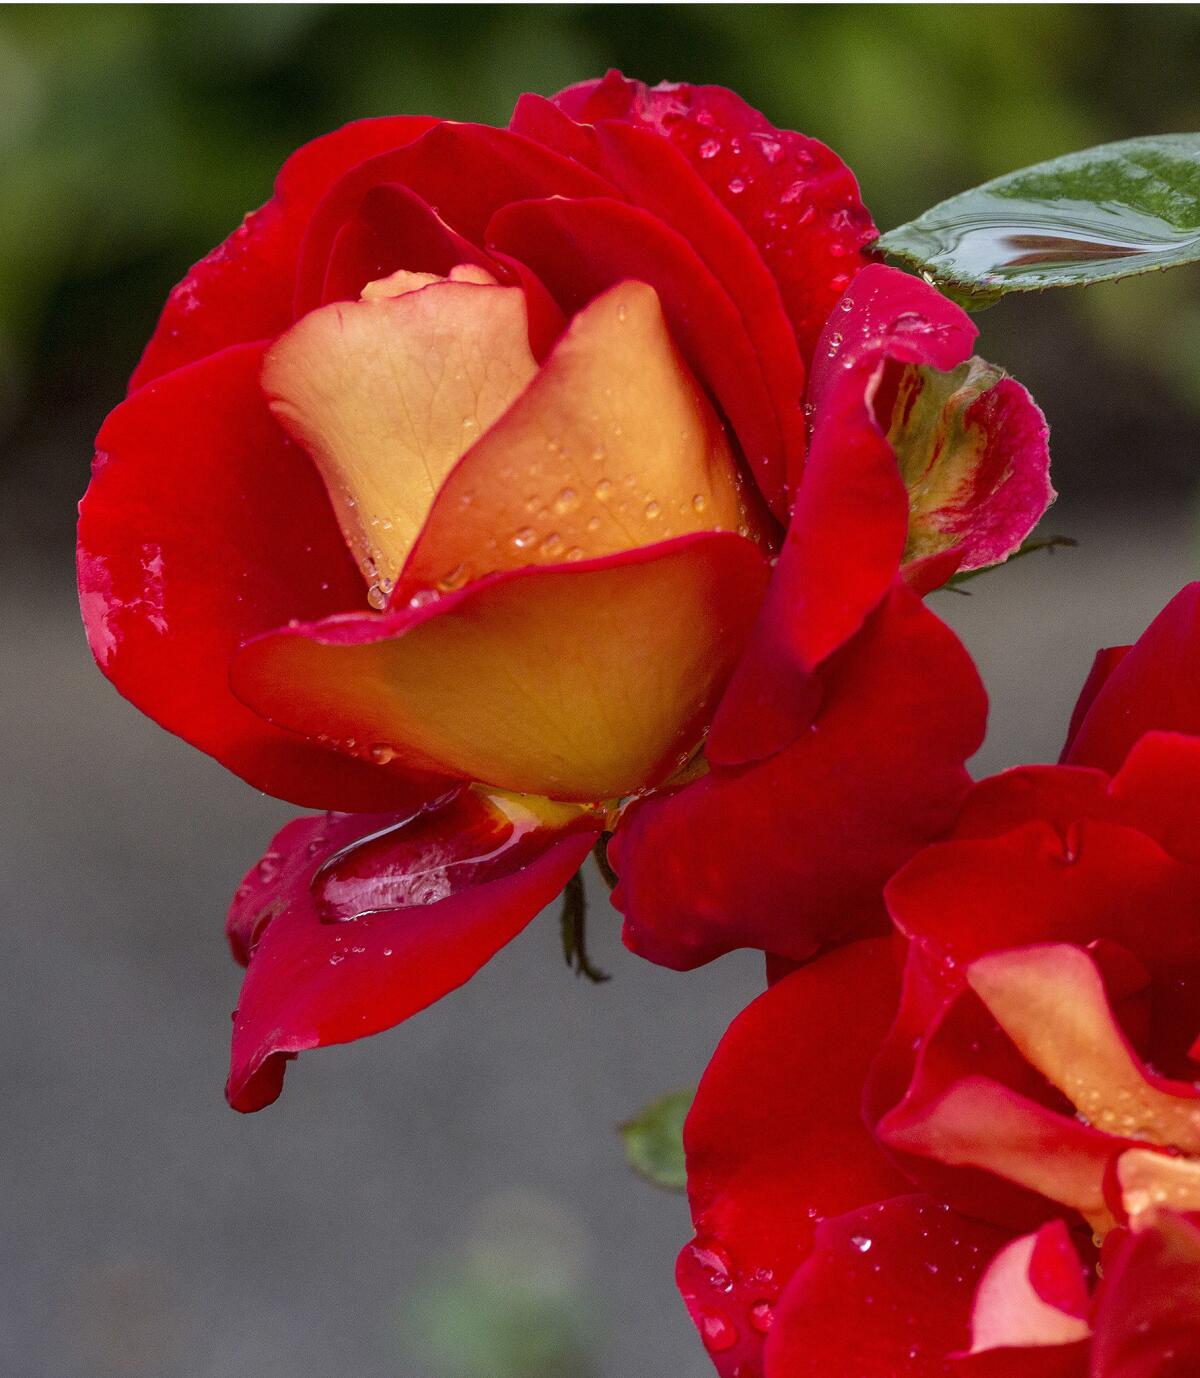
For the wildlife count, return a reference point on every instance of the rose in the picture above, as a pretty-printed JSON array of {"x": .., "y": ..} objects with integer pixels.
[
  {"x": 460, "y": 490},
  {"x": 1035, "y": 1093}
]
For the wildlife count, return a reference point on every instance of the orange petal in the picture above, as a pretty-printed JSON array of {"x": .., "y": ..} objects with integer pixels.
[
  {"x": 1150, "y": 1179},
  {"x": 1051, "y": 1003},
  {"x": 612, "y": 446},
  {"x": 979, "y": 1123},
  {"x": 386, "y": 393},
  {"x": 581, "y": 682}
]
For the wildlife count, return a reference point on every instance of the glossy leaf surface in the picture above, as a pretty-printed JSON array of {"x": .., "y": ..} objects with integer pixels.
[{"x": 1108, "y": 212}]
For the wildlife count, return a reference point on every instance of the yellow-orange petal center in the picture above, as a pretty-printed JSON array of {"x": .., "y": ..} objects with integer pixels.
[
  {"x": 387, "y": 393},
  {"x": 1052, "y": 1004},
  {"x": 612, "y": 446}
]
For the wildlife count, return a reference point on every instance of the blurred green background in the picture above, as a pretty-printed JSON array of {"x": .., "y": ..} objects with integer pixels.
[{"x": 131, "y": 140}]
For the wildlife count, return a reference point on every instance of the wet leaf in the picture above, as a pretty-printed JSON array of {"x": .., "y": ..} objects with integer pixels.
[
  {"x": 654, "y": 1140},
  {"x": 1108, "y": 212}
]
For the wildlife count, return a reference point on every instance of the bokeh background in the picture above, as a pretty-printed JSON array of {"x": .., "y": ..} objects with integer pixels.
[{"x": 448, "y": 1201}]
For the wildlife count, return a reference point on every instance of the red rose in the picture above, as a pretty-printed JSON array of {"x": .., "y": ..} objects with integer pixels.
[
  {"x": 1022, "y": 1195},
  {"x": 466, "y": 476}
]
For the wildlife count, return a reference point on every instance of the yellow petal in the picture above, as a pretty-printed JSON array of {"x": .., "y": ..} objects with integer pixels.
[
  {"x": 582, "y": 682},
  {"x": 612, "y": 446},
  {"x": 388, "y": 392},
  {"x": 1150, "y": 1179}
]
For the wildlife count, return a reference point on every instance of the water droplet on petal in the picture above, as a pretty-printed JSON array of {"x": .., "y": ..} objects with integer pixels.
[
  {"x": 861, "y": 1243},
  {"x": 652, "y": 510},
  {"x": 761, "y": 1316},
  {"x": 604, "y": 489},
  {"x": 736, "y": 186},
  {"x": 524, "y": 538},
  {"x": 698, "y": 502},
  {"x": 710, "y": 148},
  {"x": 567, "y": 501},
  {"x": 718, "y": 1333}
]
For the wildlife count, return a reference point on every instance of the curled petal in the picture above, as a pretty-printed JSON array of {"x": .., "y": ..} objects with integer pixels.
[
  {"x": 792, "y": 853},
  {"x": 352, "y": 923},
  {"x": 581, "y": 681},
  {"x": 187, "y": 547},
  {"x": 776, "y": 1142}
]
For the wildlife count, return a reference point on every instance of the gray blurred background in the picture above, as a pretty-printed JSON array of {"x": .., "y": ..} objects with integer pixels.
[{"x": 449, "y": 1200}]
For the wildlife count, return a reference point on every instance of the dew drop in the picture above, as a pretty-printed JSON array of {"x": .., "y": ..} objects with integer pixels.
[
  {"x": 861, "y": 1243},
  {"x": 381, "y": 754},
  {"x": 567, "y": 501},
  {"x": 718, "y": 1334},
  {"x": 604, "y": 489},
  {"x": 698, "y": 502},
  {"x": 710, "y": 148},
  {"x": 453, "y": 579},
  {"x": 736, "y": 186},
  {"x": 575, "y": 553},
  {"x": 524, "y": 537},
  {"x": 377, "y": 596},
  {"x": 552, "y": 545},
  {"x": 794, "y": 193},
  {"x": 652, "y": 510},
  {"x": 593, "y": 523},
  {"x": 761, "y": 1316}
]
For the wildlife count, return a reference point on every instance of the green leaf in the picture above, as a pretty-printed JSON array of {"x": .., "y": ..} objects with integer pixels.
[
  {"x": 1109, "y": 212},
  {"x": 654, "y": 1140}
]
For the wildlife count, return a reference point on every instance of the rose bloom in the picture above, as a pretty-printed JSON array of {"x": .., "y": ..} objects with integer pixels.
[
  {"x": 497, "y": 490},
  {"x": 1022, "y": 1194}
]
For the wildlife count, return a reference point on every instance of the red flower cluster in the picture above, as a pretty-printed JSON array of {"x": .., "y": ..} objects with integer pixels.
[
  {"x": 1003, "y": 1180},
  {"x": 498, "y": 489}
]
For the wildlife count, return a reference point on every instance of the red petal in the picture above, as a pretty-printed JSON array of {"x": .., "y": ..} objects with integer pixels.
[
  {"x": 850, "y": 519},
  {"x": 792, "y": 853},
  {"x": 392, "y": 229},
  {"x": 885, "y": 1293},
  {"x": 795, "y": 198},
  {"x": 581, "y": 247},
  {"x": 1155, "y": 686},
  {"x": 1028, "y": 886},
  {"x": 1147, "y": 1321},
  {"x": 352, "y": 923},
  {"x": 242, "y": 291},
  {"x": 1158, "y": 787},
  {"x": 776, "y": 1142},
  {"x": 203, "y": 526},
  {"x": 463, "y": 171}
]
